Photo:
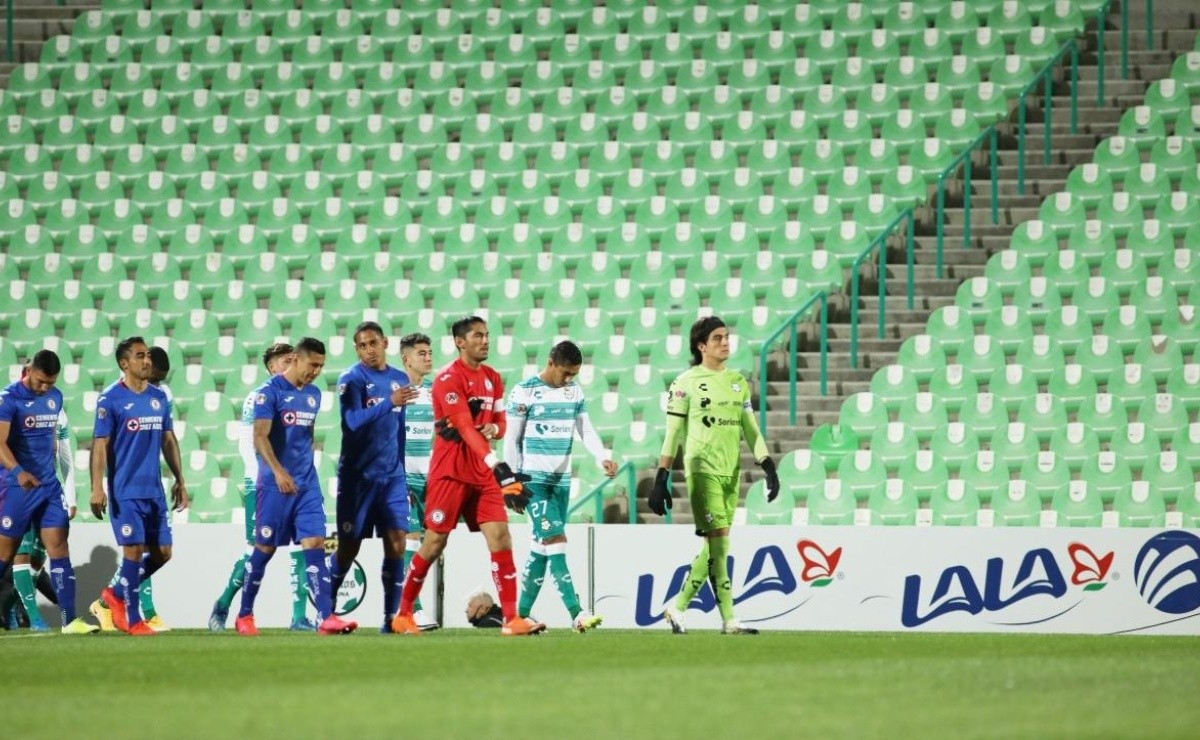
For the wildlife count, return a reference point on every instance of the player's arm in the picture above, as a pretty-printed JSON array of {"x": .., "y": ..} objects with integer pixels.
[
  {"x": 678, "y": 404},
  {"x": 514, "y": 438},
  {"x": 350, "y": 403},
  {"x": 64, "y": 456},
  {"x": 103, "y": 428},
  {"x": 758, "y": 446},
  {"x": 593, "y": 444},
  {"x": 262, "y": 445},
  {"x": 8, "y": 414}
]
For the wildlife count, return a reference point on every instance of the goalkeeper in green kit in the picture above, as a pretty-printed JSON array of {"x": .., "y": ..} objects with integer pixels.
[{"x": 709, "y": 411}]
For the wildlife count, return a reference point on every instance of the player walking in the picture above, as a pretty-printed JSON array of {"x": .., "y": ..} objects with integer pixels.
[
  {"x": 466, "y": 479},
  {"x": 133, "y": 424},
  {"x": 546, "y": 411},
  {"x": 709, "y": 411},
  {"x": 416, "y": 353},
  {"x": 30, "y": 492},
  {"x": 289, "y": 508},
  {"x": 276, "y": 358},
  {"x": 372, "y": 489}
]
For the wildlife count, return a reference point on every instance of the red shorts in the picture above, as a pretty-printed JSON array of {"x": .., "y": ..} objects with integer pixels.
[{"x": 447, "y": 499}]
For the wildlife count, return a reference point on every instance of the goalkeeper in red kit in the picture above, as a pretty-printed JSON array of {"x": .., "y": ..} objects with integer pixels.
[{"x": 465, "y": 478}]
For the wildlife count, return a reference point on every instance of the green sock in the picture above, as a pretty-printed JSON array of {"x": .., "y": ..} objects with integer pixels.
[
  {"x": 146, "y": 599},
  {"x": 23, "y": 581},
  {"x": 236, "y": 579},
  {"x": 557, "y": 555},
  {"x": 299, "y": 589},
  {"x": 694, "y": 580},
  {"x": 718, "y": 572},
  {"x": 532, "y": 576},
  {"x": 408, "y": 556}
]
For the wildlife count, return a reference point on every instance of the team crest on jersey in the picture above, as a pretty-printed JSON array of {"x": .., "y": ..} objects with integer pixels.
[
  {"x": 154, "y": 404},
  {"x": 522, "y": 409},
  {"x": 133, "y": 425},
  {"x": 262, "y": 398},
  {"x": 341, "y": 388},
  {"x": 395, "y": 385},
  {"x": 312, "y": 402},
  {"x": 569, "y": 393},
  {"x": 265, "y": 532},
  {"x": 487, "y": 384},
  {"x": 101, "y": 412},
  {"x": 451, "y": 398},
  {"x": 51, "y": 404},
  {"x": 737, "y": 387},
  {"x": 126, "y": 530},
  {"x": 437, "y": 516}
]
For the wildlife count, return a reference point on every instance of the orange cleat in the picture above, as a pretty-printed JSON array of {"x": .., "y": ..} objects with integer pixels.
[
  {"x": 117, "y": 608},
  {"x": 334, "y": 625},
  {"x": 141, "y": 629},
  {"x": 521, "y": 626},
  {"x": 405, "y": 624},
  {"x": 245, "y": 626}
]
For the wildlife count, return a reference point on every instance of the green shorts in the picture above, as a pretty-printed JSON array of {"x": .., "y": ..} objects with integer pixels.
[
  {"x": 31, "y": 545},
  {"x": 548, "y": 503},
  {"x": 416, "y": 503},
  {"x": 714, "y": 499},
  {"x": 249, "y": 501}
]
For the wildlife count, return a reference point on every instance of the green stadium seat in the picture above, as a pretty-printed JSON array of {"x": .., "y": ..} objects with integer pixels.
[
  {"x": 1140, "y": 505},
  {"x": 987, "y": 475},
  {"x": 1164, "y": 414},
  {"x": 893, "y": 503},
  {"x": 1132, "y": 386},
  {"x": 861, "y": 472},
  {"x": 1107, "y": 474},
  {"x": 1045, "y": 473},
  {"x": 955, "y": 503},
  {"x": 864, "y": 414},
  {"x": 1135, "y": 443},
  {"x": 894, "y": 442},
  {"x": 1018, "y": 506},
  {"x": 921, "y": 354},
  {"x": 1014, "y": 444},
  {"x": 924, "y": 413},
  {"x": 832, "y": 504},
  {"x": 1073, "y": 385},
  {"x": 1142, "y": 126},
  {"x": 1075, "y": 504},
  {"x": 1170, "y": 474}
]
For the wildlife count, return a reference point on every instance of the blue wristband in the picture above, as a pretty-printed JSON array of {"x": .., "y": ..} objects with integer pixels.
[{"x": 16, "y": 471}]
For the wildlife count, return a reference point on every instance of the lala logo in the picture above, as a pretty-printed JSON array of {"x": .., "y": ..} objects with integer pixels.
[
  {"x": 1090, "y": 571},
  {"x": 819, "y": 566}
]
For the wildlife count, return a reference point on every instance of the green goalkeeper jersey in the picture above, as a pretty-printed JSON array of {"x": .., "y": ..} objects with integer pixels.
[{"x": 709, "y": 411}]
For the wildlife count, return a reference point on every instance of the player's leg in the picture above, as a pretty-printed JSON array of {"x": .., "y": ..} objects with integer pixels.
[
  {"x": 485, "y": 512},
  {"x": 23, "y": 581},
  {"x": 308, "y": 526},
  {"x": 533, "y": 572},
  {"x": 392, "y": 513},
  {"x": 721, "y": 502},
  {"x": 355, "y": 502},
  {"x": 699, "y": 488},
  {"x": 237, "y": 576},
  {"x": 270, "y": 515},
  {"x": 129, "y": 522},
  {"x": 444, "y": 499},
  {"x": 62, "y": 574},
  {"x": 298, "y": 581},
  {"x": 556, "y": 554},
  {"x": 416, "y": 529},
  {"x": 158, "y": 553}
]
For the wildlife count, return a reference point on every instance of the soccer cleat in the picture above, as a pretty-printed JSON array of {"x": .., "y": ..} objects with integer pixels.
[
  {"x": 334, "y": 625},
  {"x": 424, "y": 622},
  {"x": 304, "y": 625},
  {"x": 734, "y": 627},
  {"x": 585, "y": 621},
  {"x": 674, "y": 618},
  {"x": 79, "y": 627},
  {"x": 157, "y": 624},
  {"x": 38, "y": 626},
  {"x": 405, "y": 624},
  {"x": 216, "y": 620},
  {"x": 522, "y": 626},
  {"x": 245, "y": 626},
  {"x": 116, "y": 608},
  {"x": 141, "y": 629},
  {"x": 103, "y": 616}
]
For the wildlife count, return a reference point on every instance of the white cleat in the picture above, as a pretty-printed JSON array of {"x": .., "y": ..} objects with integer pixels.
[
  {"x": 674, "y": 618},
  {"x": 585, "y": 621},
  {"x": 734, "y": 627},
  {"x": 424, "y": 622}
]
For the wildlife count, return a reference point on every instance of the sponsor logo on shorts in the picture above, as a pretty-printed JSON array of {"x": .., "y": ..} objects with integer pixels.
[
  {"x": 545, "y": 525},
  {"x": 495, "y": 567},
  {"x": 6, "y": 522},
  {"x": 126, "y": 530},
  {"x": 347, "y": 526},
  {"x": 437, "y": 516},
  {"x": 265, "y": 532}
]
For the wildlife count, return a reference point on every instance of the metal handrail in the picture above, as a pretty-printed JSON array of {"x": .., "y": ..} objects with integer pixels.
[
  {"x": 630, "y": 473},
  {"x": 8, "y": 30},
  {"x": 791, "y": 323},
  {"x": 855, "y": 272},
  {"x": 964, "y": 160},
  {"x": 1044, "y": 77}
]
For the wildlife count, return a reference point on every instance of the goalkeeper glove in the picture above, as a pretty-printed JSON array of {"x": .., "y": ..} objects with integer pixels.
[
  {"x": 660, "y": 495},
  {"x": 446, "y": 431},
  {"x": 768, "y": 466},
  {"x": 512, "y": 486}
]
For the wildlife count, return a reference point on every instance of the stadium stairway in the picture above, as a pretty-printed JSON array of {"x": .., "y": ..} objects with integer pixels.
[{"x": 34, "y": 21}]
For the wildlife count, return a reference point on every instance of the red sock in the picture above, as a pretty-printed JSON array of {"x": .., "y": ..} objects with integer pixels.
[
  {"x": 413, "y": 582},
  {"x": 504, "y": 575}
]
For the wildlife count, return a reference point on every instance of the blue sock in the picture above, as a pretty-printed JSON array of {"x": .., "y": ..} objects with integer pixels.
[
  {"x": 130, "y": 570},
  {"x": 393, "y": 586},
  {"x": 62, "y": 575},
  {"x": 319, "y": 586},
  {"x": 256, "y": 565}
]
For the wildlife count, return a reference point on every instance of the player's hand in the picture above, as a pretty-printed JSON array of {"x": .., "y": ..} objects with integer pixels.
[
  {"x": 660, "y": 495},
  {"x": 404, "y": 395},
  {"x": 99, "y": 503},
  {"x": 285, "y": 482},
  {"x": 27, "y": 480},
  {"x": 71, "y": 512},
  {"x": 489, "y": 431},
  {"x": 768, "y": 466},
  {"x": 512, "y": 486},
  {"x": 610, "y": 468},
  {"x": 179, "y": 496},
  {"x": 446, "y": 431}
]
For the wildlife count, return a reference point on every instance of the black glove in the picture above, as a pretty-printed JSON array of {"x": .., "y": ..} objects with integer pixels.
[
  {"x": 446, "y": 431},
  {"x": 660, "y": 495},
  {"x": 768, "y": 466},
  {"x": 512, "y": 486}
]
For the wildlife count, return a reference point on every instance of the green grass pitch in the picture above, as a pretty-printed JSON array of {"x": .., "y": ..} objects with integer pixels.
[{"x": 614, "y": 683}]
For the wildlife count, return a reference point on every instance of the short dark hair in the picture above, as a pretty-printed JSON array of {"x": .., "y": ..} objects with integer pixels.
[
  {"x": 160, "y": 360},
  {"x": 125, "y": 346},
  {"x": 46, "y": 361},
  {"x": 367, "y": 326},
  {"x": 701, "y": 330},
  {"x": 408, "y": 341},
  {"x": 461, "y": 328},
  {"x": 311, "y": 346},
  {"x": 565, "y": 354},
  {"x": 278, "y": 349}
]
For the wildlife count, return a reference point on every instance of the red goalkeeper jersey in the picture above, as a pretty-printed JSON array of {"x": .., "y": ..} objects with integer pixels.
[{"x": 457, "y": 389}]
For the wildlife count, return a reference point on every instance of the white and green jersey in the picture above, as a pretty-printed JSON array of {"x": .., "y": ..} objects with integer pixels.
[
  {"x": 418, "y": 434},
  {"x": 246, "y": 444},
  {"x": 64, "y": 453},
  {"x": 542, "y": 424}
]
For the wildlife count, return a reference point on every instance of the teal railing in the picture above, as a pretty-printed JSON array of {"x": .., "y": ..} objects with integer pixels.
[
  {"x": 595, "y": 498},
  {"x": 878, "y": 243},
  {"x": 1045, "y": 79},
  {"x": 9, "y": 52},
  {"x": 792, "y": 323},
  {"x": 964, "y": 160}
]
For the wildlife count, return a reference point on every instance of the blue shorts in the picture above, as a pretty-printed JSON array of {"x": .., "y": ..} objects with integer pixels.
[
  {"x": 286, "y": 519},
  {"x": 41, "y": 508},
  {"x": 416, "y": 503},
  {"x": 372, "y": 508},
  {"x": 140, "y": 521}
]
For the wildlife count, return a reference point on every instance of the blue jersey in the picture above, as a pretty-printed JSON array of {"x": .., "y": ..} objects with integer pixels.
[
  {"x": 134, "y": 424},
  {"x": 292, "y": 412},
  {"x": 33, "y": 422},
  {"x": 372, "y": 428}
]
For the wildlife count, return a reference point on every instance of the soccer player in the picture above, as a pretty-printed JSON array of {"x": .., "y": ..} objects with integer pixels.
[
  {"x": 276, "y": 358},
  {"x": 289, "y": 508},
  {"x": 416, "y": 354},
  {"x": 709, "y": 411},
  {"x": 30, "y": 492},
  {"x": 466, "y": 479},
  {"x": 372, "y": 490},
  {"x": 553, "y": 404},
  {"x": 133, "y": 425}
]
